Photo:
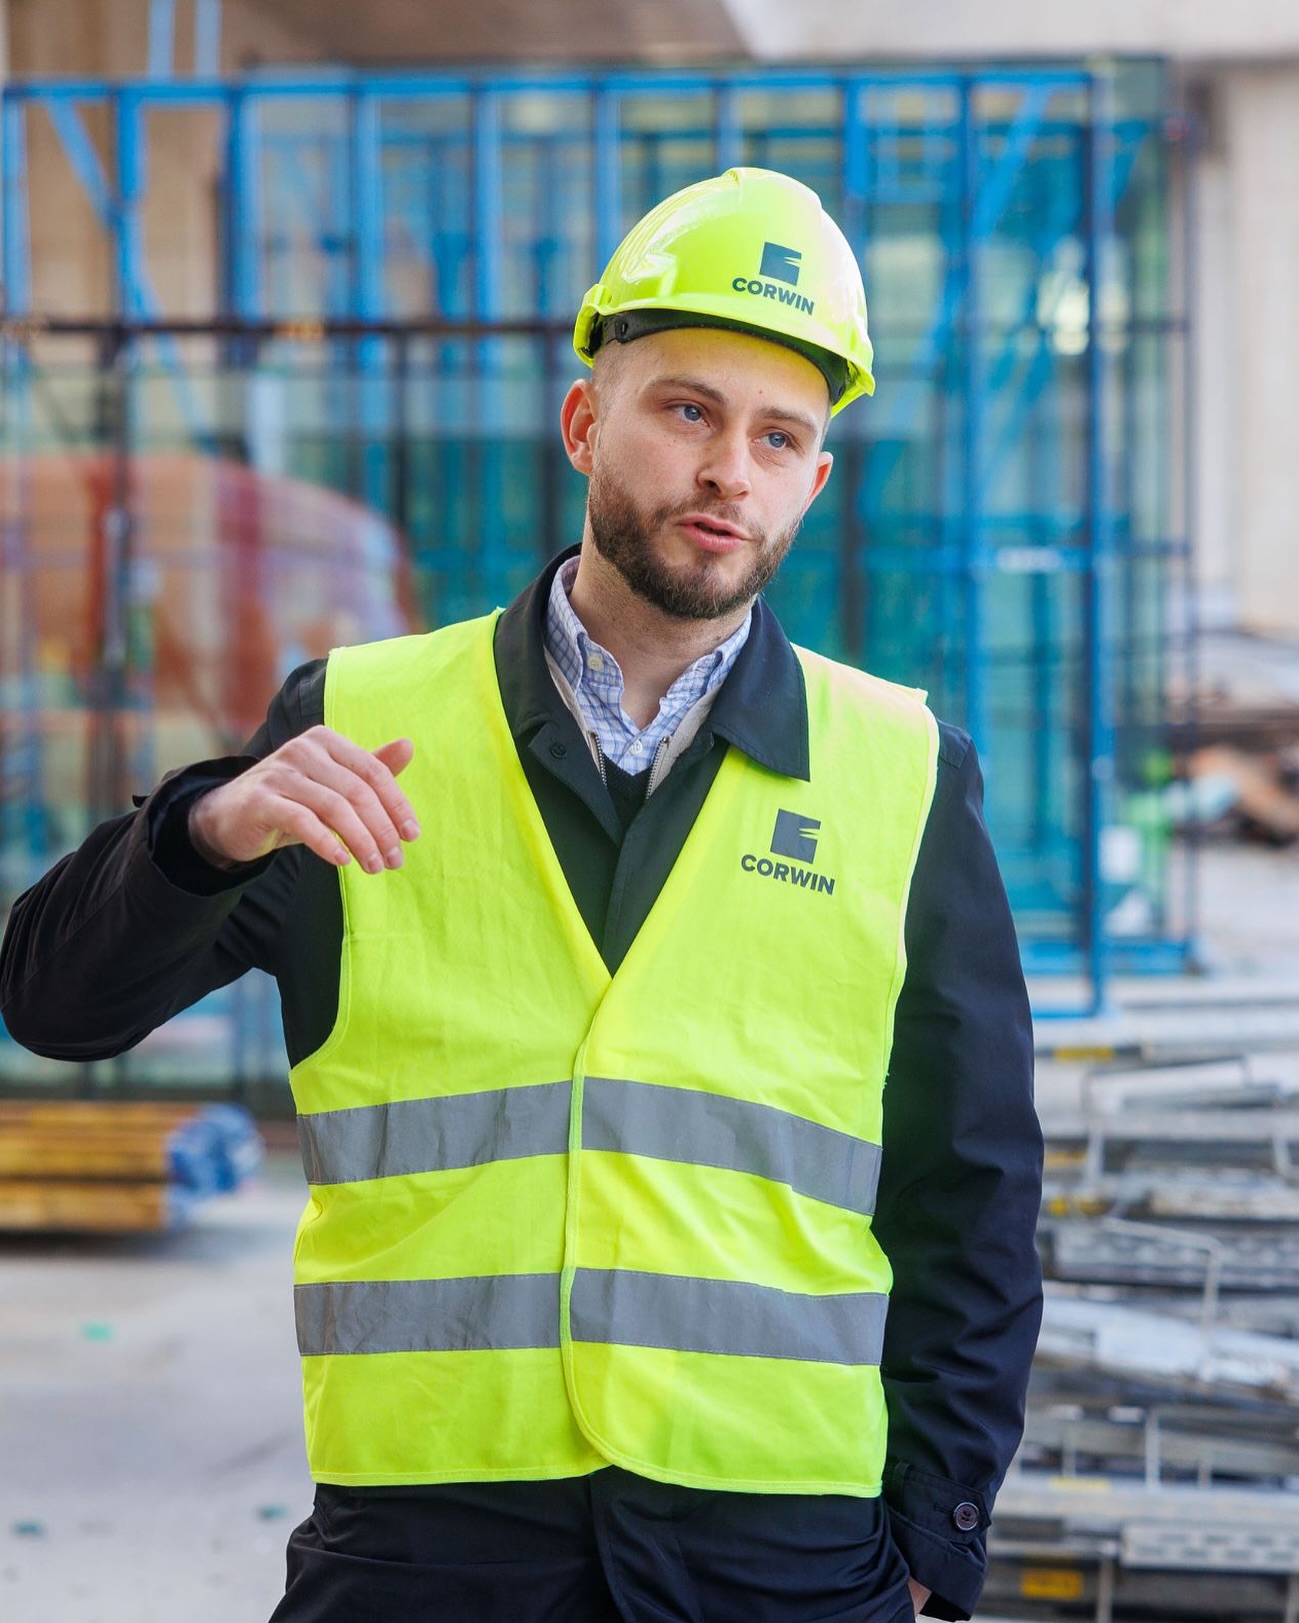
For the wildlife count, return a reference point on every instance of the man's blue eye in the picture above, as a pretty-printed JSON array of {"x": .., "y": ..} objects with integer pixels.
[
  {"x": 698, "y": 413},
  {"x": 779, "y": 439}
]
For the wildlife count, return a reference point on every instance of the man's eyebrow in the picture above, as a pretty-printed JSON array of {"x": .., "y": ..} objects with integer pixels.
[{"x": 694, "y": 385}]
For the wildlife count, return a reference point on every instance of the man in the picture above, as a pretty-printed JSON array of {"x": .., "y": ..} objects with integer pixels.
[{"x": 591, "y": 1015}]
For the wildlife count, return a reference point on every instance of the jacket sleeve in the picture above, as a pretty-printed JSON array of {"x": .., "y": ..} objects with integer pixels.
[
  {"x": 134, "y": 926},
  {"x": 960, "y": 1188}
]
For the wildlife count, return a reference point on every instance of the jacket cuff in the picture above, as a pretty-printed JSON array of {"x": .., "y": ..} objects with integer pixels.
[
  {"x": 166, "y": 818},
  {"x": 940, "y": 1527}
]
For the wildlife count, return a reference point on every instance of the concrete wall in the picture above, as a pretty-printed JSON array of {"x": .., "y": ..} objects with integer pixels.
[
  {"x": 74, "y": 272},
  {"x": 954, "y": 30},
  {"x": 1250, "y": 415},
  {"x": 111, "y": 37},
  {"x": 1215, "y": 474}
]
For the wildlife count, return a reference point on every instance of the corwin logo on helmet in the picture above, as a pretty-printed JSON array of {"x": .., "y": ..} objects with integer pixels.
[{"x": 780, "y": 264}]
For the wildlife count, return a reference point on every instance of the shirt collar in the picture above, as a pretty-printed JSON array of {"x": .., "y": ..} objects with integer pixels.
[
  {"x": 761, "y": 707},
  {"x": 572, "y": 646}
]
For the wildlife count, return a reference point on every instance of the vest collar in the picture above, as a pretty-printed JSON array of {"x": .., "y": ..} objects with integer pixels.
[{"x": 760, "y": 709}]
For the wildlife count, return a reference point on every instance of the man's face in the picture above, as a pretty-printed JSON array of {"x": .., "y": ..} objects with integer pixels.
[{"x": 704, "y": 451}]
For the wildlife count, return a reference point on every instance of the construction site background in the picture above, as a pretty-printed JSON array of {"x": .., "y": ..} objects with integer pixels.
[{"x": 1071, "y": 514}]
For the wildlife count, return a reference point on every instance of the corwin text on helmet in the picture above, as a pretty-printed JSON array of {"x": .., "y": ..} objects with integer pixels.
[{"x": 772, "y": 290}]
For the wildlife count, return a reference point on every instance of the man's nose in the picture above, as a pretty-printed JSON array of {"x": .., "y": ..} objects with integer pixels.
[{"x": 726, "y": 468}]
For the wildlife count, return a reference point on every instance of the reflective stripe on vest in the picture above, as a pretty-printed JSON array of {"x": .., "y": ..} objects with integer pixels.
[
  {"x": 625, "y": 1118},
  {"x": 705, "y": 1129},
  {"x": 349, "y": 1318},
  {"x": 427, "y": 1135},
  {"x": 637, "y": 1310},
  {"x": 558, "y": 1218}
]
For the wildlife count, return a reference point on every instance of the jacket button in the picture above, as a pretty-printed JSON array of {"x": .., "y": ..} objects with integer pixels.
[
  {"x": 966, "y": 1516},
  {"x": 559, "y": 751}
]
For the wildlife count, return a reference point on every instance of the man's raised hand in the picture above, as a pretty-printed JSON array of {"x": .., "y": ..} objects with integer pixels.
[{"x": 319, "y": 790}]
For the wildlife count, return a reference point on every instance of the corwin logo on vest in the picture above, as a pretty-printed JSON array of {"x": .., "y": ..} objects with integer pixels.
[{"x": 794, "y": 836}]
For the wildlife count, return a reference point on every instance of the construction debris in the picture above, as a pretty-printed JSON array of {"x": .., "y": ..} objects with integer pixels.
[{"x": 1254, "y": 789}]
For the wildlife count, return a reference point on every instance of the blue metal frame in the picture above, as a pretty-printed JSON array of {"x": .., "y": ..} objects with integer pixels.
[
  {"x": 1098, "y": 636},
  {"x": 507, "y": 220},
  {"x": 162, "y": 39},
  {"x": 365, "y": 191}
]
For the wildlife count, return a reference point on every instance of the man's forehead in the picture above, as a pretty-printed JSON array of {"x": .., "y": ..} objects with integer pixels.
[{"x": 727, "y": 364}]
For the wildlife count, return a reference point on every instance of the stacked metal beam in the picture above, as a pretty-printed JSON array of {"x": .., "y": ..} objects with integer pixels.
[{"x": 1160, "y": 1470}]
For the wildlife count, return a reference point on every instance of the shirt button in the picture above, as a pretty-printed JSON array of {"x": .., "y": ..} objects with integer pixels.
[
  {"x": 636, "y": 746},
  {"x": 559, "y": 751},
  {"x": 966, "y": 1516},
  {"x": 595, "y": 661}
]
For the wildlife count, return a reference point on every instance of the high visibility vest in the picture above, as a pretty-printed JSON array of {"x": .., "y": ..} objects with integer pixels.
[{"x": 558, "y": 1218}]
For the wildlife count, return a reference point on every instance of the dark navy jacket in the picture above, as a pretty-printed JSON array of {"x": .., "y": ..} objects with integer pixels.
[{"x": 135, "y": 926}]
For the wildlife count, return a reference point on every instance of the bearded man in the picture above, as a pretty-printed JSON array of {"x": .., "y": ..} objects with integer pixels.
[{"x": 626, "y": 1288}]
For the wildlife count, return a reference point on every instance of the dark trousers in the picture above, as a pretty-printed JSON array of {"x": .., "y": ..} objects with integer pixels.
[{"x": 608, "y": 1548}]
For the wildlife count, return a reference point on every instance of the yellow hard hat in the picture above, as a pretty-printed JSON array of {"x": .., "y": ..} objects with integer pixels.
[{"x": 750, "y": 249}]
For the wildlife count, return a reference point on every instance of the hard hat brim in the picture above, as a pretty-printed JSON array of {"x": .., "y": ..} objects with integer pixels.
[{"x": 595, "y": 328}]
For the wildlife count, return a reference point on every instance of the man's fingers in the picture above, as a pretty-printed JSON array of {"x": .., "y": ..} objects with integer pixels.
[
  {"x": 352, "y": 810},
  {"x": 378, "y": 770},
  {"x": 321, "y": 758},
  {"x": 319, "y": 790},
  {"x": 300, "y": 826},
  {"x": 396, "y": 756}
]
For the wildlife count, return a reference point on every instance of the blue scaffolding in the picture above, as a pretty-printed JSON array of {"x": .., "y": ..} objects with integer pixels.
[{"x": 401, "y": 256}]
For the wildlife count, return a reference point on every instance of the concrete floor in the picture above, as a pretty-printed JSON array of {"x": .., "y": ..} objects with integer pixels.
[{"x": 151, "y": 1462}]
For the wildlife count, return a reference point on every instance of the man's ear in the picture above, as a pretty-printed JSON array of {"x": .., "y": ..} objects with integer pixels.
[
  {"x": 577, "y": 424},
  {"x": 824, "y": 463}
]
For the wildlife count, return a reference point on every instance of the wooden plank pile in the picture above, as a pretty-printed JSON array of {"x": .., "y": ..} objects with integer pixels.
[{"x": 112, "y": 1166}]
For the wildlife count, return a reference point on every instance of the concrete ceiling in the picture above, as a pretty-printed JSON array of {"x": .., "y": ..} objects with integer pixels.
[
  {"x": 392, "y": 32},
  {"x": 386, "y": 32}
]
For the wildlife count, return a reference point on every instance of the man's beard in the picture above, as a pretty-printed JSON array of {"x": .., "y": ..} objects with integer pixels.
[{"x": 622, "y": 535}]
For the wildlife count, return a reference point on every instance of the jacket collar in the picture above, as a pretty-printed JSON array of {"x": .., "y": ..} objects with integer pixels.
[{"x": 760, "y": 709}]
